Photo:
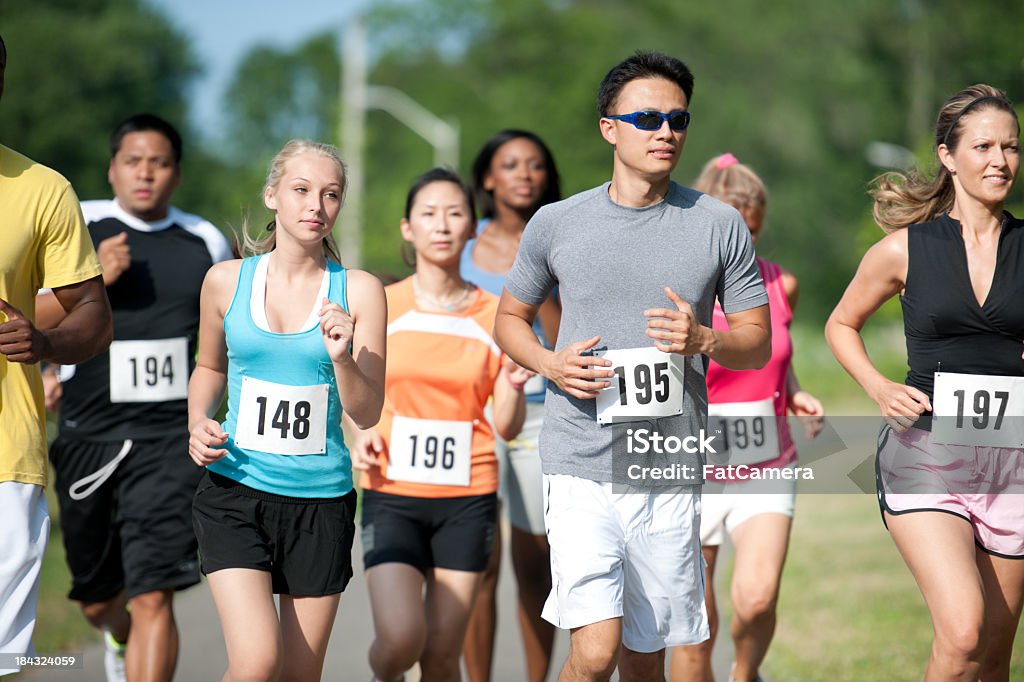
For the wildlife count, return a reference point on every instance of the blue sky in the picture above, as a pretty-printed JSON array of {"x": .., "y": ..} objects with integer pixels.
[{"x": 222, "y": 31}]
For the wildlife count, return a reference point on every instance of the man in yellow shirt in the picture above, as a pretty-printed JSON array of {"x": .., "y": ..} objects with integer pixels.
[{"x": 45, "y": 244}]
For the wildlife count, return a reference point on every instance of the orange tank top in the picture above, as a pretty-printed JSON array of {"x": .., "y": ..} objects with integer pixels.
[{"x": 441, "y": 369}]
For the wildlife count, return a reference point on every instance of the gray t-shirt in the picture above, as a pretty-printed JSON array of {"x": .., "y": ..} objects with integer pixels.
[{"x": 611, "y": 263}]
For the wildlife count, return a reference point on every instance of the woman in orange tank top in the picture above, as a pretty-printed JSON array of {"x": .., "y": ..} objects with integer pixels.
[{"x": 430, "y": 474}]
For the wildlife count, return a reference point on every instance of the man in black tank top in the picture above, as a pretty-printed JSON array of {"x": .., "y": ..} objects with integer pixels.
[{"x": 123, "y": 476}]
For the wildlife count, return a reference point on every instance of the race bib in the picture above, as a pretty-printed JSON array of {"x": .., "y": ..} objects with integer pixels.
[
  {"x": 976, "y": 409},
  {"x": 281, "y": 419},
  {"x": 648, "y": 384},
  {"x": 434, "y": 451},
  {"x": 148, "y": 371},
  {"x": 750, "y": 431}
]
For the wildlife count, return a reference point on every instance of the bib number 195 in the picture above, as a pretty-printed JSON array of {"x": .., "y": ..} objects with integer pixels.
[{"x": 648, "y": 384}]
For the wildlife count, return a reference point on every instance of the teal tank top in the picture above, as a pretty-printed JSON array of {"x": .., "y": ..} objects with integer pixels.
[{"x": 284, "y": 411}]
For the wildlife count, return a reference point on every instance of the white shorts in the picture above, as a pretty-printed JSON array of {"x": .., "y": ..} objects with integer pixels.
[
  {"x": 522, "y": 481},
  {"x": 630, "y": 556},
  {"x": 25, "y": 527},
  {"x": 722, "y": 513}
]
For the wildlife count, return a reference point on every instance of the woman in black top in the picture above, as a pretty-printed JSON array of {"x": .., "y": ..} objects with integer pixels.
[{"x": 956, "y": 259}]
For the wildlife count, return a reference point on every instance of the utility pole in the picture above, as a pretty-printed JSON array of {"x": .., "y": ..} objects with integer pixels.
[{"x": 357, "y": 97}]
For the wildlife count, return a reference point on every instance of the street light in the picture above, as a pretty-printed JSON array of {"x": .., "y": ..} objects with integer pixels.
[{"x": 357, "y": 97}]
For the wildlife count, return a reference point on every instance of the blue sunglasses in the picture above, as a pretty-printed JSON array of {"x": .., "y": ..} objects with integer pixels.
[{"x": 653, "y": 120}]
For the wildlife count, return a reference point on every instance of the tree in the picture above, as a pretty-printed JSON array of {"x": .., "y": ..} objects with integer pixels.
[{"x": 77, "y": 68}]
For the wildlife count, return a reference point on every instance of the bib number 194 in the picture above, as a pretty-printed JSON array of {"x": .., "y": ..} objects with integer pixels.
[{"x": 148, "y": 370}]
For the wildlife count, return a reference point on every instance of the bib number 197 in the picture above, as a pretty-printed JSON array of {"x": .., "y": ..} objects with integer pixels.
[{"x": 973, "y": 409}]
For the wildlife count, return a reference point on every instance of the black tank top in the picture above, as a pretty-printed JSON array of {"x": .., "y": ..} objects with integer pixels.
[{"x": 943, "y": 322}]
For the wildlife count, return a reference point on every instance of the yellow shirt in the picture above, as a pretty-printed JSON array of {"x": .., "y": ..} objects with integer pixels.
[{"x": 43, "y": 243}]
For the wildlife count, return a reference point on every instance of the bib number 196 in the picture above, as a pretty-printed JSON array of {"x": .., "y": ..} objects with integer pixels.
[{"x": 434, "y": 451}]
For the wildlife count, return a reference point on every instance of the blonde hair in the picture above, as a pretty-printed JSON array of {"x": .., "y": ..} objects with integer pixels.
[
  {"x": 255, "y": 246},
  {"x": 903, "y": 199},
  {"x": 728, "y": 180}
]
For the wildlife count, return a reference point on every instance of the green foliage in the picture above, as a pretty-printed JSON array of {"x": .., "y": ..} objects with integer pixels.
[
  {"x": 75, "y": 69},
  {"x": 798, "y": 91}
]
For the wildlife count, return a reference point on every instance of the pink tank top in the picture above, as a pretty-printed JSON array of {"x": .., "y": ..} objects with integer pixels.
[{"x": 749, "y": 391}]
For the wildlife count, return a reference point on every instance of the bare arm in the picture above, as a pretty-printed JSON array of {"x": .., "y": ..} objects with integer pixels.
[
  {"x": 360, "y": 374},
  {"x": 882, "y": 274},
  {"x": 208, "y": 381},
  {"x": 579, "y": 376},
  {"x": 510, "y": 400},
  {"x": 747, "y": 344},
  {"x": 86, "y": 329},
  {"x": 115, "y": 257},
  {"x": 550, "y": 316},
  {"x": 801, "y": 403}
]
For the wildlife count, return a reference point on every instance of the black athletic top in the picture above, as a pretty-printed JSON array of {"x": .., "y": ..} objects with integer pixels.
[
  {"x": 156, "y": 298},
  {"x": 941, "y": 317}
]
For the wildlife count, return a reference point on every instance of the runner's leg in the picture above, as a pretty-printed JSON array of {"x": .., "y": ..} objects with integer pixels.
[
  {"x": 1003, "y": 581},
  {"x": 449, "y": 603},
  {"x": 306, "y": 624},
  {"x": 761, "y": 543},
  {"x": 152, "y": 651},
  {"x": 399, "y": 622},
  {"x": 692, "y": 663},
  {"x": 531, "y": 560},
  {"x": 478, "y": 648},
  {"x": 939, "y": 550},
  {"x": 249, "y": 619}
]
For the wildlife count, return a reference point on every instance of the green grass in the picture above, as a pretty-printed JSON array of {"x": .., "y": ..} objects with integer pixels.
[
  {"x": 849, "y": 608},
  {"x": 60, "y": 625}
]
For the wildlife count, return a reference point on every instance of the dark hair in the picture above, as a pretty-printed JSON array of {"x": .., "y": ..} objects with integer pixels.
[
  {"x": 907, "y": 199},
  {"x": 140, "y": 123},
  {"x": 642, "y": 65},
  {"x": 482, "y": 165},
  {"x": 438, "y": 175},
  {"x": 431, "y": 176},
  {"x": 3, "y": 48}
]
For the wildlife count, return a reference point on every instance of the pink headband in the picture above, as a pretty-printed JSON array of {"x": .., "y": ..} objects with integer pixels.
[{"x": 726, "y": 160}]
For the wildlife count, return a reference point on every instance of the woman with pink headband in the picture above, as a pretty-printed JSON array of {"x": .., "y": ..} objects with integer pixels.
[{"x": 756, "y": 517}]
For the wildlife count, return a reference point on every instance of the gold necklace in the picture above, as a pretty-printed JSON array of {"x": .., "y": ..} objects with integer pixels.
[{"x": 429, "y": 300}]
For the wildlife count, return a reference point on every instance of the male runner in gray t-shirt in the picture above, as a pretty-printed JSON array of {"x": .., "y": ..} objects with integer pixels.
[{"x": 638, "y": 262}]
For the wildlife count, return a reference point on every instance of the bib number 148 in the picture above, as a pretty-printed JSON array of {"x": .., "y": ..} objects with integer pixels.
[{"x": 282, "y": 420}]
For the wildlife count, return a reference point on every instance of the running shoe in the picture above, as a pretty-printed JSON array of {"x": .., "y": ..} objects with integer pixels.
[{"x": 113, "y": 658}]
